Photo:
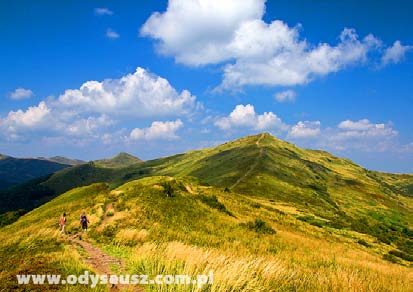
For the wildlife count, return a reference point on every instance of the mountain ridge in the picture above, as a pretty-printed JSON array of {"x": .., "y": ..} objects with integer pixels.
[
  {"x": 331, "y": 192},
  {"x": 65, "y": 160},
  {"x": 14, "y": 171}
]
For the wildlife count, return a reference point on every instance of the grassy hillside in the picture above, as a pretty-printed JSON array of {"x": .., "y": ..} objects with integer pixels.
[
  {"x": 327, "y": 191},
  {"x": 165, "y": 225},
  {"x": 14, "y": 171},
  {"x": 33, "y": 193}
]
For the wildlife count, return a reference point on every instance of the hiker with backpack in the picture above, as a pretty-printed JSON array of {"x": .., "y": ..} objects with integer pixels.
[
  {"x": 62, "y": 223},
  {"x": 84, "y": 221}
]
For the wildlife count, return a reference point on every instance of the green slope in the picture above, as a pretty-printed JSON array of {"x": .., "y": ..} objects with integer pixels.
[
  {"x": 166, "y": 225},
  {"x": 330, "y": 192}
]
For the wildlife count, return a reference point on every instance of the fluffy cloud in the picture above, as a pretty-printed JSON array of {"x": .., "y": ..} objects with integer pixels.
[
  {"x": 103, "y": 11},
  {"x": 140, "y": 94},
  {"x": 21, "y": 93},
  {"x": 244, "y": 116},
  {"x": 285, "y": 96},
  {"x": 305, "y": 129},
  {"x": 362, "y": 130},
  {"x": 360, "y": 125},
  {"x": 95, "y": 107},
  {"x": 157, "y": 131},
  {"x": 395, "y": 53},
  {"x": 34, "y": 118},
  {"x": 361, "y": 135},
  {"x": 88, "y": 126},
  {"x": 200, "y": 32},
  {"x": 292, "y": 62},
  {"x": 110, "y": 33}
]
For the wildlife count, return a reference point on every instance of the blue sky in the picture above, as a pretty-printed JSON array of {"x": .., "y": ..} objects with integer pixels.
[{"x": 88, "y": 79}]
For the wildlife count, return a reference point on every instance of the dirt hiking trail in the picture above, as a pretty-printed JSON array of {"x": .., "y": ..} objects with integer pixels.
[
  {"x": 101, "y": 262},
  {"x": 254, "y": 165}
]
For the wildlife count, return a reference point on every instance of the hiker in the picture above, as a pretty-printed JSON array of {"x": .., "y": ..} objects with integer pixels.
[
  {"x": 84, "y": 221},
  {"x": 62, "y": 223}
]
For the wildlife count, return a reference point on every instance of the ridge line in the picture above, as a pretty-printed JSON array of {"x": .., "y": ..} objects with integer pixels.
[{"x": 254, "y": 165}]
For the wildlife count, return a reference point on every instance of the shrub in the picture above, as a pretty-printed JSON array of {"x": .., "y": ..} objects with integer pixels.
[
  {"x": 11, "y": 217},
  {"x": 259, "y": 226},
  {"x": 402, "y": 255},
  {"x": 109, "y": 231},
  {"x": 168, "y": 188},
  {"x": 311, "y": 220},
  {"x": 391, "y": 258},
  {"x": 363, "y": 242},
  {"x": 212, "y": 201},
  {"x": 256, "y": 205}
]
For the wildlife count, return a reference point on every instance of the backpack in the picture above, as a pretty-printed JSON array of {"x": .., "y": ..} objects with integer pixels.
[{"x": 83, "y": 219}]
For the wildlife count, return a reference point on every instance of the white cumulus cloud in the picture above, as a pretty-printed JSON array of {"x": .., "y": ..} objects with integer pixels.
[
  {"x": 140, "y": 94},
  {"x": 197, "y": 32},
  {"x": 360, "y": 135},
  {"x": 360, "y": 125},
  {"x": 396, "y": 53},
  {"x": 291, "y": 61},
  {"x": 256, "y": 52},
  {"x": 18, "y": 122},
  {"x": 305, "y": 129},
  {"x": 157, "y": 131},
  {"x": 96, "y": 108},
  {"x": 244, "y": 116},
  {"x": 21, "y": 93},
  {"x": 362, "y": 129},
  {"x": 285, "y": 96},
  {"x": 88, "y": 126},
  {"x": 110, "y": 33}
]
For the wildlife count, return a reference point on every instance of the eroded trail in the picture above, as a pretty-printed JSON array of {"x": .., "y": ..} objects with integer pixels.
[
  {"x": 102, "y": 263},
  {"x": 254, "y": 165},
  {"x": 96, "y": 258}
]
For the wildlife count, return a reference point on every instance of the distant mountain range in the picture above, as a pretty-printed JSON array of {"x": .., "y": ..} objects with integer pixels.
[
  {"x": 14, "y": 171},
  {"x": 29, "y": 182},
  {"x": 64, "y": 160}
]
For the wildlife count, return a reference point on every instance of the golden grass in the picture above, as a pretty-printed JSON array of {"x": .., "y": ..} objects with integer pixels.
[
  {"x": 299, "y": 257},
  {"x": 131, "y": 236},
  {"x": 304, "y": 271}
]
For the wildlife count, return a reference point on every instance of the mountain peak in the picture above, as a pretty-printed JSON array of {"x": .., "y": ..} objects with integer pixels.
[
  {"x": 263, "y": 139},
  {"x": 125, "y": 155},
  {"x": 122, "y": 159}
]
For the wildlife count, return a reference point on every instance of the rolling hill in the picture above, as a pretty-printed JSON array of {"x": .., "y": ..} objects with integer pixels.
[
  {"x": 14, "y": 171},
  {"x": 326, "y": 191},
  {"x": 176, "y": 225}
]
